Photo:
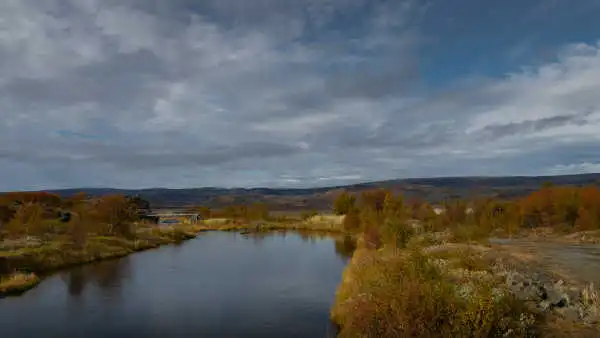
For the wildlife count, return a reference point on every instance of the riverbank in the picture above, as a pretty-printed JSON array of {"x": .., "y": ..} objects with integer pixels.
[
  {"x": 439, "y": 288},
  {"x": 412, "y": 292},
  {"x": 17, "y": 283},
  {"x": 318, "y": 223},
  {"x": 30, "y": 261}
]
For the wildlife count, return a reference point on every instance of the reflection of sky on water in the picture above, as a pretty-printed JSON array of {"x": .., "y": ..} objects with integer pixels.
[{"x": 218, "y": 285}]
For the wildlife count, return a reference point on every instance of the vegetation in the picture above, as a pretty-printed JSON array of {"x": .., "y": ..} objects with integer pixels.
[
  {"x": 40, "y": 232},
  {"x": 394, "y": 286},
  {"x": 17, "y": 283}
]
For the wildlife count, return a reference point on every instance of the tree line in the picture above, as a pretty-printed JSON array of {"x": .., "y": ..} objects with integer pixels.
[
  {"x": 381, "y": 213},
  {"x": 46, "y": 215}
]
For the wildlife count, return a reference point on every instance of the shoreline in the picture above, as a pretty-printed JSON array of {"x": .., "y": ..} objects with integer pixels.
[
  {"x": 529, "y": 298},
  {"x": 18, "y": 283},
  {"x": 36, "y": 263},
  {"x": 31, "y": 265}
]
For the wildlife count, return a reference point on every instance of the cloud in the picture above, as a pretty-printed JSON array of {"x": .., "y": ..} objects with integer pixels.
[
  {"x": 576, "y": 168},
  {"x": 135, "y": 93}
]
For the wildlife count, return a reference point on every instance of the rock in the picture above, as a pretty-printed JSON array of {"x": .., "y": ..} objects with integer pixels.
[
  {"x": 555, "y": 297},
  {"x": 544, "y": 305}
]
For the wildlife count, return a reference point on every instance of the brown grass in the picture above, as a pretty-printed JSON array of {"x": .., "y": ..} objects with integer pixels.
[
  {"x": 17, "y": 283},
  {"x": 404, "y": 293}
]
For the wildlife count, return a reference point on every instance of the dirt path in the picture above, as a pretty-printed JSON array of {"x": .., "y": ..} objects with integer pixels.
[{"x": 576, "y": 263}]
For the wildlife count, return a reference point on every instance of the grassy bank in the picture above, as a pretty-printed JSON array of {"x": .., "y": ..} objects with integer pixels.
[
  {"x": 318, "y": 223},
  {"x": 17, "y": 283},
  {"x": 60, "y": 252},
  {"x": 414, "y": 292}
]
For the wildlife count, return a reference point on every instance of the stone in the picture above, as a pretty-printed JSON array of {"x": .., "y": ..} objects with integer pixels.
[{"x": 544, "y": 305}]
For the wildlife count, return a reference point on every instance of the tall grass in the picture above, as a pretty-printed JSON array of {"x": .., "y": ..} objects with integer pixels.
[{"x": 405, "y": 294}]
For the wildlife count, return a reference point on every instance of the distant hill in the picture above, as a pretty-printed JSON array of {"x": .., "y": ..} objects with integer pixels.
[{"x": 430, "y": 189}]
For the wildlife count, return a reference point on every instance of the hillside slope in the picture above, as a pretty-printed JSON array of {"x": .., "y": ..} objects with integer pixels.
[{"x": 430, "y": 189}]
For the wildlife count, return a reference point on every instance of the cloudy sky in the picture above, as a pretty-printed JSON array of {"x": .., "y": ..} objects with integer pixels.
[{"x": 184, "y": 93}]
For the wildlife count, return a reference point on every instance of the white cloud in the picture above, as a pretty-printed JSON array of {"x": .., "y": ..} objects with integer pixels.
[{"x": 133, "y": 93}]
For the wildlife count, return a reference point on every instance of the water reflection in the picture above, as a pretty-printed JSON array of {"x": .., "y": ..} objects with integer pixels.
[
  {"x": 218, "y": 285},
  {"x": 106, "y": 276},
  {"x": 76, "y": 282},
  {"x": 345, "y": 247}
]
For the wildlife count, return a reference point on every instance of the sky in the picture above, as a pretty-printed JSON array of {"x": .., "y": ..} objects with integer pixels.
[{"x": 282, "y": 93}]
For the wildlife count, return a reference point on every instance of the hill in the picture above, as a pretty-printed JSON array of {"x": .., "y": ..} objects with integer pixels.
[{"x": 430, "y": 189}]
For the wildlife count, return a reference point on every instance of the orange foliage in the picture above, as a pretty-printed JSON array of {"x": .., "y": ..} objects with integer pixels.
[
  {"x": 117, "y": 212},
  {"x": 373, "y": 199},
  {"x": 41, "y": 197}
]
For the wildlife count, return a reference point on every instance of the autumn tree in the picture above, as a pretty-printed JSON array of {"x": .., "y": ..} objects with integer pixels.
[
  {"x": 351, "y": 220},
  {"x": 373, "y": 199},
  {"x": 75, "y": 200},
  {"x": 6, "y": 214},
  {"x": 344, "y": 203},
  {"x": 78, "y": 228},
  {"x": 27, "y": 220},
  {"x": 393, "y": 205},
  {"x": 43, "y": 198},
  {"x": 589, "y": 208},
  {"x": 117, "y": 213}
]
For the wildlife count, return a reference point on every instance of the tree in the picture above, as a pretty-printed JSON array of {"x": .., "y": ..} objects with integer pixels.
[
  {"x": 6, "y": 214},
  {"x": 78, "y": 229},
  {"x": 351, "y": 220},
  {"x": 139, "y": 202},
  {"x": 27, "y": 220},
  {"x": 373, "y": 199},
  {"x": 344, "y": 203},
  {"x": 396, "y": 231},
  {"x": 41, "y": 197},
  {"x": 117, "y": 212},
  {"x": 75, "y": 200},
  {"x": 393, "y": 206}
]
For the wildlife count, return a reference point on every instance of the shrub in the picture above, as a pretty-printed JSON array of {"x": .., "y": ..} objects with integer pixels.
[
  {"x": 407, "y": 295},
  {"x": 396, "y": 232},
  {"x": 351, "y": 222},
  {"x": 344, "y": 203}
]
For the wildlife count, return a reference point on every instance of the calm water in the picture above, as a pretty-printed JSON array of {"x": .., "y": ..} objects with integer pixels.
[{"x": 217, "y": 285}]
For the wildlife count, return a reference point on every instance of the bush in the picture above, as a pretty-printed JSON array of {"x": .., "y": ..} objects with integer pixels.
[
  {"x": 344, "y": 203},
  {"x": 406, "y": 295},
  {"x": 396, "y": 232},
  {"x": 351, "y": 222}
]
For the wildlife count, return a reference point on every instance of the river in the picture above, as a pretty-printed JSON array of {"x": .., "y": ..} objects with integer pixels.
[{"x": 217, "y": 285}]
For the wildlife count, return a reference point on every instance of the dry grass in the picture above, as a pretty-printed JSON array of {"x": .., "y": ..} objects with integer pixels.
[
  {"x": 17, "y": 283},
  {"x": 329, "y": 223},
  {"x": 61, "y": 252},
  {"x": 406, "y": 293}
]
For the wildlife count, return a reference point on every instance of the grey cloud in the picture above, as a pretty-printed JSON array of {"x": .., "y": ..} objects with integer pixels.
[
  {"x": 114, "y": 82},
  {"x": 132, "y": 158},
  {"x": 502, "y": 130},
  {"x": 231, "y": 92}
]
